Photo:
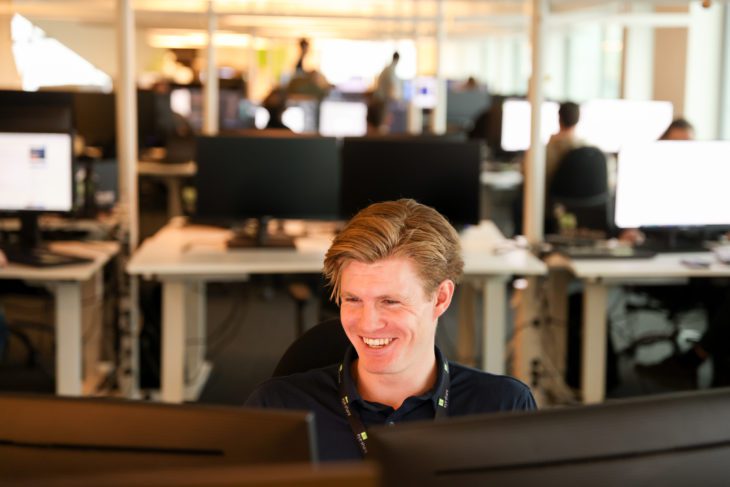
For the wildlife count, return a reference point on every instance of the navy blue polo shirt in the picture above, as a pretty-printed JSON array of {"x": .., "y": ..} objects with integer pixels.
[{"x": 471, "y": 391}]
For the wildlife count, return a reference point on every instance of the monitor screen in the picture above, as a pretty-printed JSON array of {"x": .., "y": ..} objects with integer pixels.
[
  {"x": 440, "y": 173},
  {"x": 424, "y": 92},
  {"x": 673, "y": 184},
  {"x": 463, "y": 107},
  {"x": 36, "y": 172},
  {"x": 611, "y": 124},
  {"x": 51, "y": 435},
  {"x": 282, "y": 176},
  {"x": 666, "y": 440},
  {"x": 516, "y": 124},
  {"x": 343, "y": 118}
]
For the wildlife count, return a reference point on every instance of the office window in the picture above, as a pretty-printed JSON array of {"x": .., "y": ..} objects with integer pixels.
[
  {"x": 350, "y": 61},
  {"x": 594, "y": 62},
  {"x": 43, "y": 61}
]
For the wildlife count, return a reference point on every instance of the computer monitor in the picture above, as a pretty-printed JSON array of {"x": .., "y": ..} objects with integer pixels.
[
  {"x": 673, "y": 184},
  {"x": 516, "y": 124},
  {"x": 44, "y": 435},
  {"x": 339, "y": 118},
  {"x": 36, "y": 176},
  {"x": 680, "y": 439},
  {"x": 440, "y": 173},
  {"x": 36, "y": 111},
  {"x": 612, "y": 124},
  {"x": 424, "y": 91},
  {"x": 463, "y": 106},
  {"x": 269, "y": 176}
]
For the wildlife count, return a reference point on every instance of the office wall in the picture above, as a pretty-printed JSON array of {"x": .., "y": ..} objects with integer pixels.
[
  {"x": 98, "y": 44},
  {"x": 670, "y": 61},
  {"x": 8, "y": 73}
]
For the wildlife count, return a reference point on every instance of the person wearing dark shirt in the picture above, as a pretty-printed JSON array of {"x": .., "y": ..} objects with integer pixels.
[{"x": 393, "y": 271}]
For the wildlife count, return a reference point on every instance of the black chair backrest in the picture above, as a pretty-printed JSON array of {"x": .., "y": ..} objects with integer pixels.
[
  {"x": 580, "y": 185},
  {"x": 322, "y": 345}
]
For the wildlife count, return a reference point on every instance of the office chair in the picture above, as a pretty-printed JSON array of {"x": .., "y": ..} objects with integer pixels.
[
  {"x": 323, "y": 344},
  {"x": 580, "y": 186}
]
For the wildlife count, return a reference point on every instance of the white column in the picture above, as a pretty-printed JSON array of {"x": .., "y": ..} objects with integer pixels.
[
  {"x": 174, "y": 332},
  {"x": 638, "y": 75},
  {"x": 210, "y": 89},
  {"x": 126, "y": 103},
  {"x": 595, "y": 336},
  {"x": 438, "y": 117},
  {"x": 535, "y": 160},
  {"x": 704, "y": 69}
]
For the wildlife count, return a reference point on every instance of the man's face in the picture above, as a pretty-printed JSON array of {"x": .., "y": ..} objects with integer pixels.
[{"x": 387, "y": 316}]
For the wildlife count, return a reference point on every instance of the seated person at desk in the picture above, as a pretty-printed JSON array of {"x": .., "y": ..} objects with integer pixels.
[
  {"x": 393, "y": 270},
  {"x": 275, "y": 104},
  {"x": 562, "y": 142},
  {"x": 679, "y": 129}
]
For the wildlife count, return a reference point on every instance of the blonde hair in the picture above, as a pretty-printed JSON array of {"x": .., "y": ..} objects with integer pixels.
[{"x": 402, "y": 228}]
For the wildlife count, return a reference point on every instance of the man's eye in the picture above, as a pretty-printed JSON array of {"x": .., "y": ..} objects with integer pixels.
[
  {"x": 351, "y": 299},
  {"x": 390, "y": 301}
]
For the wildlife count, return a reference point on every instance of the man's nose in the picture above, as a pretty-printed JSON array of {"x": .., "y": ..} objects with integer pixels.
[{"x": 370, "y": 318}]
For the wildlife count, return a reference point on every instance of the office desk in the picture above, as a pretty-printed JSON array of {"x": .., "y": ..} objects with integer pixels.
[
  {"x": 172, "y": 175},
  {"x": 184, "y": 258},
  {"x": 66, "y": 283},
  {"x": 598, "y": 276}
]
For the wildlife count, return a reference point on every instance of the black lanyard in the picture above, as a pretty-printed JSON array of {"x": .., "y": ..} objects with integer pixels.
[{"x": 356, "y": 424}]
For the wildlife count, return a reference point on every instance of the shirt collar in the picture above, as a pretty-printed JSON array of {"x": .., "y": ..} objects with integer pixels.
[{"x": 442, "y": 366}]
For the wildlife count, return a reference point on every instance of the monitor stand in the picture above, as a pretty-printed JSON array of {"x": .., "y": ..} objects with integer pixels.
[
  {"x": 260, "y": 237},
  {"x": 29, "y": 251}
]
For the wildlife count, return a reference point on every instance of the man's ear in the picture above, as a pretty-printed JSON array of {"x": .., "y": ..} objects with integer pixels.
[{"x": 444, "y": 293}]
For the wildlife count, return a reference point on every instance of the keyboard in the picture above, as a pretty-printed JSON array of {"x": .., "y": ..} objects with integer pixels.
[
  {"x": 38, "y": 257},
  {"x": 621, "y": 252}
]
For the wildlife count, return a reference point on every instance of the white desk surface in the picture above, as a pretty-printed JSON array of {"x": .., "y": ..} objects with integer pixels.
[
  {"x": 661, "y": 265},
  {"x": 101, "y": 252},
  {"x": 188, "y": 251}
]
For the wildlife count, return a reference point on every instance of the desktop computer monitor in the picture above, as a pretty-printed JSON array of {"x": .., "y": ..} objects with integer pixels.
[
  {"x": 612, "y": 124},
  {"x": 672, "y": 440},
  {"x": 269, "y": 176},
  {"x": 338, "y": 118},
  {"x": 516, "y": 124},
  {"x": 673, "y": 184},
  {"x": 440, "y": 173},
  {"x": 36, "y": 176},
  {"x": 48, "y": 435},
  {"x": 36, "y": 111},
  {"x": 463, "y": 107},
  {"x": 423, "y": 93}
]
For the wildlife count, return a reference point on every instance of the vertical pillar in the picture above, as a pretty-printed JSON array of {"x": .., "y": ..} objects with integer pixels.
[
  {"x": 704, "y": 69},
  {"x": 9, "y": 78},
  {"x": 637, "y": 81},
  {"x": 438, "y": 117},
  {"x": 210, "y": 113}
]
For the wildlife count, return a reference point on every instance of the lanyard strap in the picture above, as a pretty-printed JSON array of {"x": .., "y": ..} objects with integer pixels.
[{"x": 356, "y": 424}]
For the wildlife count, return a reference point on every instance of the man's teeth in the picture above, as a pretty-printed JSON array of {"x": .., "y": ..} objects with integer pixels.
[{"x": 377, "y": 342}]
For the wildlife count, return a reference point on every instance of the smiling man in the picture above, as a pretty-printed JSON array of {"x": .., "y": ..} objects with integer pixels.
[{"x": 393, "y": 271}]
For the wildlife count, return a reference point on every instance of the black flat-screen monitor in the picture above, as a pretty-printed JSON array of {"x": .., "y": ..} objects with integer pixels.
[
  {"x": 436, "y": 172},
  {"x": 46, "y": 435},
  {"x": 36, "y": 176},
  {"x": 463, "y": 106},
  {"x": 268, "y": 176},
  {"x": 672, "y": 440},
  {"x": 36, "y": 111}
]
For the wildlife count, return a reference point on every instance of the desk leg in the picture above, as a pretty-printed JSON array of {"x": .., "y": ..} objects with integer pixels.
[
  {"x": 68, "y": 338},
  {"x": 196, "y": 309},
  {"x": 173, "y": 341},
  {"x": 495, "y": 320},
  {"x": 174, "y": 196},
  {"x": 593, "y": 367}
]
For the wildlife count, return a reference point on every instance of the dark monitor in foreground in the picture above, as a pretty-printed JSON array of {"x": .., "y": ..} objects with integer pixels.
[
  {"x": 262, "y": 177},
  {"x": 440, "y": 173},
  {"x": 680, "y": 439},
  {"x": 47, "y": 435}
]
